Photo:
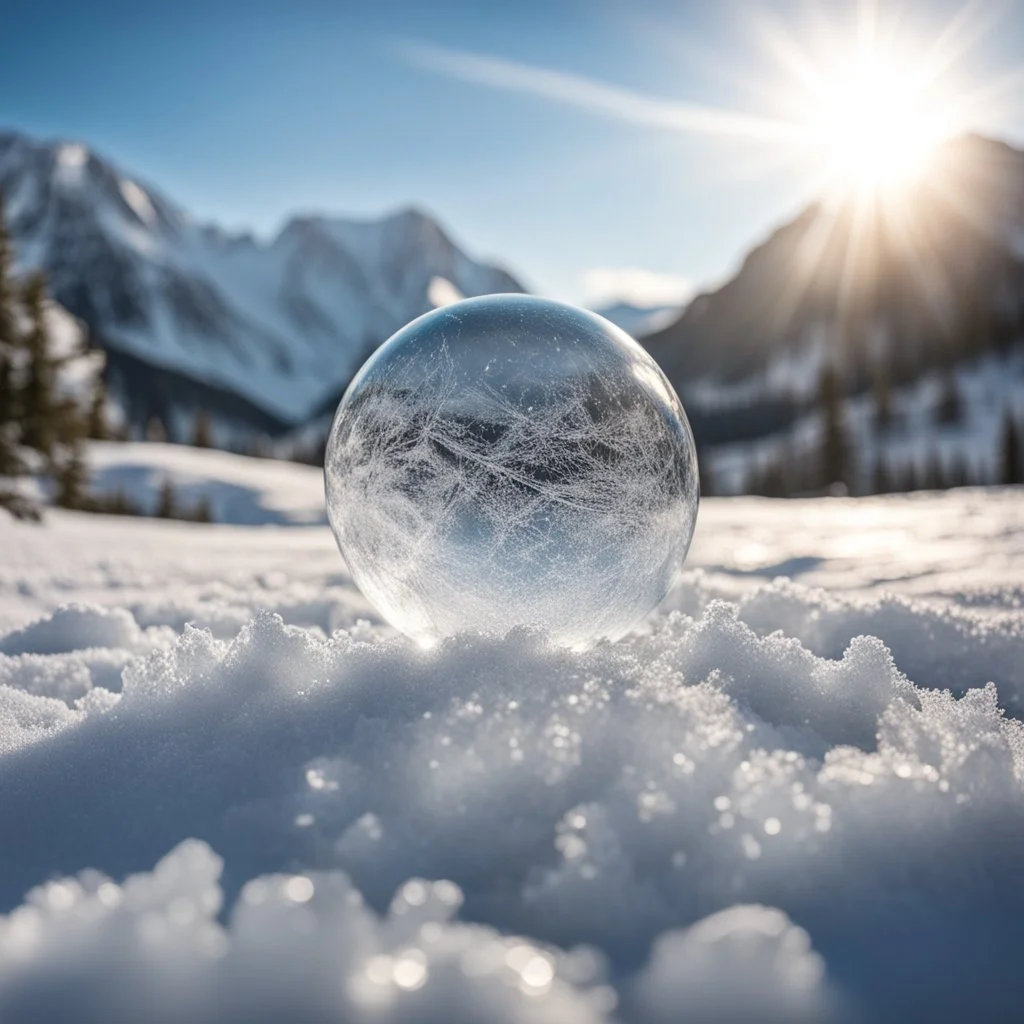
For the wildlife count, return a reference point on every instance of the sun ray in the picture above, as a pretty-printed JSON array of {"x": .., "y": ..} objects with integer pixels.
[
  {"x": 862, "y": 107},
  {"x": 813, "y": 247}
]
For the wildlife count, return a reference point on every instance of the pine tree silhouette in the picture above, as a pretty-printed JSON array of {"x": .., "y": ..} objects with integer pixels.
[
  {"x": 155, "y": 430},
  {"x": 11, "y": 463},
  {"x": 959, "y": 473},
  {"x": 203, "y": 434},
  {"x": 33, "y": 413},
  {"x": 167, "y": 502},
  {"x": 37, "y": 398},
  {"x": 881, "y": 477},
  {"x": 98, "y": 428},
  {"x": 934, "y": 472},
  {"x": 835, "y": 456},
  {"x": 950, "y": 406},
  {"x": 7, "y": 332},
  {"x": 1011, "y": 456},
  {"x": 72, "y": 479},
  {"x": 203, "y": 512},
  {"x": 882, "y": 392}
]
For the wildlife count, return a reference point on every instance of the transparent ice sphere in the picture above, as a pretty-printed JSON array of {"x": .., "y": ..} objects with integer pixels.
[{"x": 511, "y": 460}]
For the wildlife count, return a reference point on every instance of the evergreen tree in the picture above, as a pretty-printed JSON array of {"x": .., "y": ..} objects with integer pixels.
[
  {"x": 7, "y": 319},
  {"x": 1011, "y": 454},
  {"x": 882, "y": 392},
  {"x": 959, "y": 472},
  {"x": 37, "y": 397},
  {"x": 167, "y": 502},
  {"x": 950, "y": 407},
  {"x": 203, "y": 512},
  {"x": 6, "y": 387},
  {"x": 835, "y": 457},
  {"x": 203, "y": 434},
  {"x": 121, "y": 504},
  {"x": 33, "y": 415},
  {"x": 155, "y": 430},
  {"x": 776, "y": 481},
  {"x": 72, "y": 479},
  {"x": 117, "y": 504},
  {"x": 98, "y": 428},
  {"x": 10, "y": 462},
  {"x": 881, "y": 477},
  {"x": 934, "y": 472}
]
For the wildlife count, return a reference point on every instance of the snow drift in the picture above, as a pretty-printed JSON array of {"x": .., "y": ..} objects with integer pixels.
[{"x": 705, "y": 821}]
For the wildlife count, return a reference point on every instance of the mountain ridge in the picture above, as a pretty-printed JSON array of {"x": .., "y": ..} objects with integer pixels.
[
  {"x": 797, "y": 283},
  {"x": 281, "y": 322}
]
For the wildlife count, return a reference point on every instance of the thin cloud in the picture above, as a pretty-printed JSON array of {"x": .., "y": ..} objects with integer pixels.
[
  {"x": 589, "y": 94},
  {"x": 636, "y": 285}
]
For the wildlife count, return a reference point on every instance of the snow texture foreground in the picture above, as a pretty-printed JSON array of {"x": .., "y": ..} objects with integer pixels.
[{"x": 766, "y": 805}]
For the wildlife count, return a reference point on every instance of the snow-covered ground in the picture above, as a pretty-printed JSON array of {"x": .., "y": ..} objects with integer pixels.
[
  {"x": 242, "y": 491},
  {"x": 240, "y": 797}
]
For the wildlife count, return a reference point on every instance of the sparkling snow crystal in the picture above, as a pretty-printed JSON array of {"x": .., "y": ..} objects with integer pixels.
[{"x": 512, "y": 460}]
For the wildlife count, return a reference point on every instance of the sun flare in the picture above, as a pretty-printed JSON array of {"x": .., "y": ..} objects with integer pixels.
[
  {"x": 877, "y": 126},
  {"x": 871, "y": 100}
]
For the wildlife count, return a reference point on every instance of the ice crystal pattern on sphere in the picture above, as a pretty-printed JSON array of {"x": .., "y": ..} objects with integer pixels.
[{"x": 511, "y": 460}]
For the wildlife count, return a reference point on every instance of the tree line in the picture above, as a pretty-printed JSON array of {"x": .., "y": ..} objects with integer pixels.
[
  {"x": 52, "y": 399},
  {"x": 835, "y": 464}
]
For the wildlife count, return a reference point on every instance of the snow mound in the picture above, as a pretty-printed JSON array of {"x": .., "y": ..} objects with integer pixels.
[
  {"x": 920, "y": 637},
  {"x": 744, "y": 963},
  {"x": 647, "y": 799},
  {"x": 65, "y": 654},
  {"x": 240, "y": 489},
  {"x": 297, "y": 947},
  {"x": 78, "y": 627}
]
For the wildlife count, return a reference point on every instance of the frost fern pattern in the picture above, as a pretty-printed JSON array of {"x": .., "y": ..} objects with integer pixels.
[{"x": 521, "y": 500}]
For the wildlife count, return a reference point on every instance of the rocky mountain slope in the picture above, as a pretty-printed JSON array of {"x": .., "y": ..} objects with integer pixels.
[
  {"x": 901, "y": 286},
  {"x": 261, "y": 332}
]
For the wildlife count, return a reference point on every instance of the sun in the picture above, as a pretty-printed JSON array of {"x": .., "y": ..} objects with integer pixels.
[
  {"x": 872, "y": 99},
  {"x": 876, "y": 127},
  {"x": 876, "y": 124}
]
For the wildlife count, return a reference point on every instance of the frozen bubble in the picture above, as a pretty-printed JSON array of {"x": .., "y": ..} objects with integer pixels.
[{"x": 511, "y": 460}]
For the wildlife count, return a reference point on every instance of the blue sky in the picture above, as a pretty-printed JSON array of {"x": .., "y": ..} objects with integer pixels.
[{"x": 248, "y": 112}]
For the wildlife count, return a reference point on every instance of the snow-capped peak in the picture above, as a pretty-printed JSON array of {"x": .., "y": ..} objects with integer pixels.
[{"x": 282, "y": 323}]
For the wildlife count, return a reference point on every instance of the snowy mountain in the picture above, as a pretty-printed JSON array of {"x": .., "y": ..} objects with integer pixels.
[
  {"x": 260, "y": 331},
  {"x": 638, "y": 320},
  {"x": 903, "y": 286}
]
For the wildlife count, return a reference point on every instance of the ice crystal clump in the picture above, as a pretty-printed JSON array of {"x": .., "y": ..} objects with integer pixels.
[{"x": 510, "y": 460}]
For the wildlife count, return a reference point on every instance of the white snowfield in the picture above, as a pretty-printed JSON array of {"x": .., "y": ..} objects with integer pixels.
[
  {"x": 241, "y": 491},
  {"x": 229, "y": 793}
]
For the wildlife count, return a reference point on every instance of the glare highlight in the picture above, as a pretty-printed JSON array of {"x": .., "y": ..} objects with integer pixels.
[{"x": 876, "y": 127}]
